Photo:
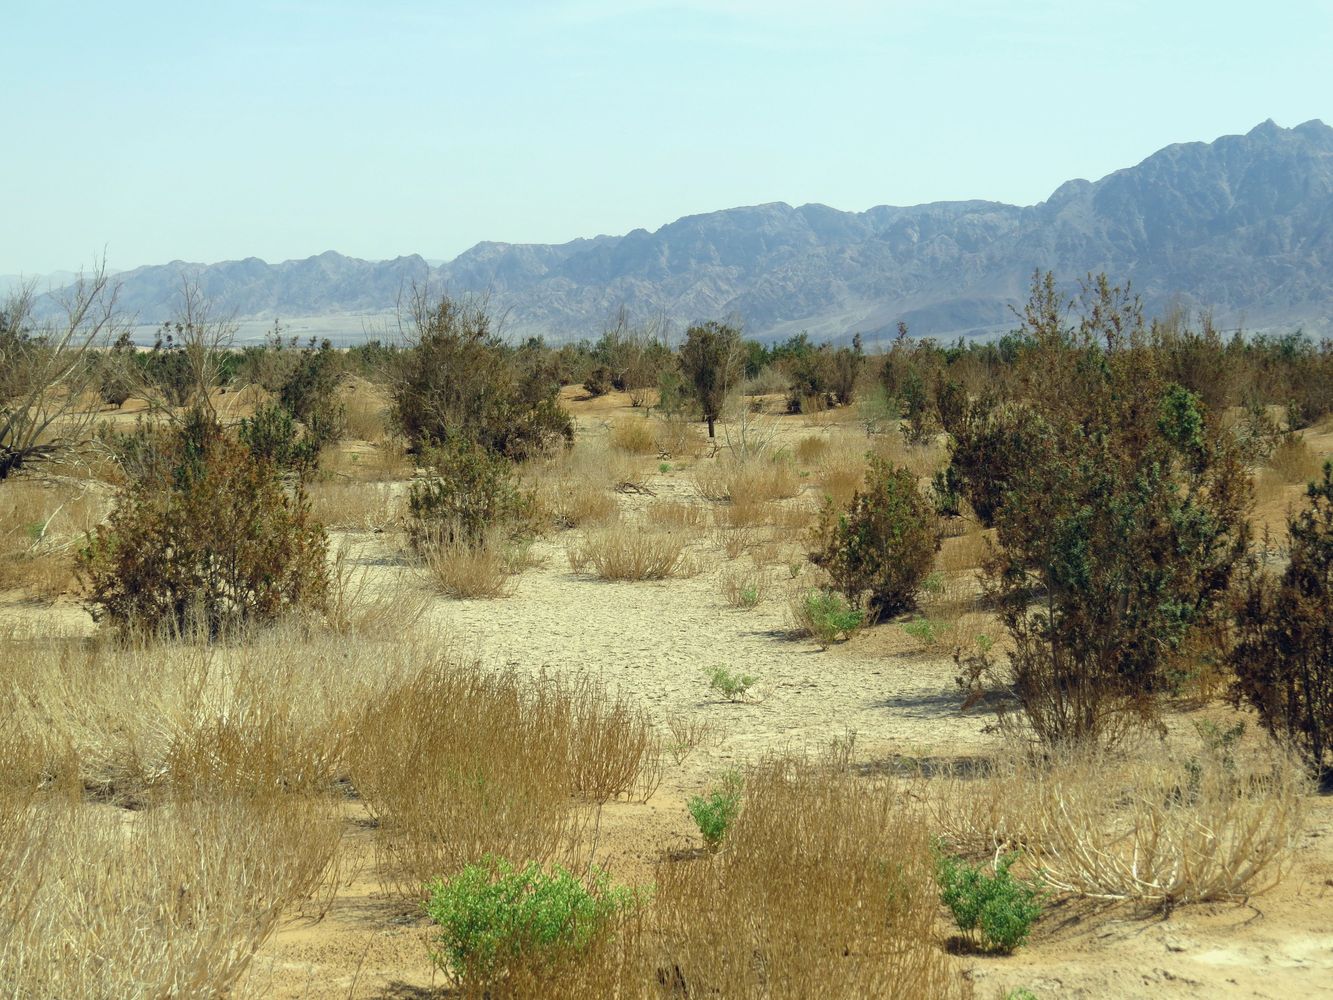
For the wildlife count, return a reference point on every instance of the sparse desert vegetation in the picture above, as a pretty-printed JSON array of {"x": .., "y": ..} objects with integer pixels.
[{"x": 463, "y": 668}]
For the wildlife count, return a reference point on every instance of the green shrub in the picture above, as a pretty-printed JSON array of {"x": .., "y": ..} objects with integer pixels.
[
  {"x": 1119, "y": 527},
  {"x": 922, "y": 629},
  {"x": 878, "y": 552},
  {"x": 492, "y": 917},
  {"x": 1284, "y": 660},
  {"x": 467, "y": 493},
  {"x": 731, "y": 686},
  {"x": 827, "y": 616},
  {"x": 209, "y": 538},
  {"x": 995, "y": 911},
  {"x": 272, "y": 436},
  {"x": 460, "y": 380},
  {"x": 308, "y": 393},
  {"x": 715, "y": 812}
]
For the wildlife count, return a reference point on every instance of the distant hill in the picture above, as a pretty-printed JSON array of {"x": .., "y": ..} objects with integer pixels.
[{"x": 1242, "y": 225}]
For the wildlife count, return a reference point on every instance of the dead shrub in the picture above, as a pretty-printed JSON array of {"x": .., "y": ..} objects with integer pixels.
[
  {"x": 686, "y": 733},
  {"x": 1162, "y": 829},
  {"x": 353, "y": 506},
  {"x": 810, "y": 449},
  {"x": 678, "y": 437},
  {"x": 360, "y": 604},
  {"x": 169, "y": 901},
  {"x": 1294, "y": 461},
  {"x": 744, "y": 589},
  {"x": 366, "y": 412},
  {"x": 469, "y": 570},
  {"x": 622, "y": 551},
  {"x": 456, "y": 763},
  {"x": 841, "y": 474},
  {"x": 824, "y": 888},
  {"x": 678, "y": 515}
]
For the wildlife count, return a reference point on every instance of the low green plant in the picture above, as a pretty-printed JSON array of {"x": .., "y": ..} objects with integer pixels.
[
  {"x": 664, "y": 467},
  {"x": 827, "y": 616},
  {"x": 1020, "y": 994},
  {"x": 731, "y": 686},
  {"x": 715, "y": 812},
  {"x": 492, "y": 916},
  {"x": 995, "y": 910},
  {"x": 922, "y": 629}
]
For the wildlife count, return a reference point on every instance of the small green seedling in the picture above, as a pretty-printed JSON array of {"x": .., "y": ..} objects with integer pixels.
[
  {"x": 715, "y": 812},
  {"x": 664, "y": 467},
  {"x": 995, "y": 910},
  {"x": 731, "y": 686}
]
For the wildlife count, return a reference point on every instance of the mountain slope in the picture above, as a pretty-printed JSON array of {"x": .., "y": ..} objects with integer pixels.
[{"x": 1242, "y": 225}]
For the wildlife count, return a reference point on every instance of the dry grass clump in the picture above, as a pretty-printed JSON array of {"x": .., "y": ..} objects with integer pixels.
[
  {"x": 1162, "y": 829},
  {"x": 811, "y": 449},
  {"x": 467, "y": 571},
  {"x": 132, "y": 721},
  {"x": 634, "y": 435},
  {"x": 678, "y": 515},
  {"x": 382, "y": 461},
  {"x": 842, "y": 473},
  {"x": 361, "y": 603},
  {"x": 228, "y": 756},
  {"x": 456, "y": 763},
  {"x": 824, "y": 887},
  {"x": 1294, "y": 461},
  {"x": 745, "y": 589},
  {"x": 962, "y": 555},
  {"x": 751, "y": 480},
  {"x": 171, "y": 901},
  {"x": 677, "y": 437},
  {"x": 366, "y": 411},
  {"x": 41, "y": 525},
  {"x": 354, "y": 506},
  {"x": 571, "y": 504},
  {"x": 619, "y": 550}
]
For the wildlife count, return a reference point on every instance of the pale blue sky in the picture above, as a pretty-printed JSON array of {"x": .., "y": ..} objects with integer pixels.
[{"x": 208, "y": 131}]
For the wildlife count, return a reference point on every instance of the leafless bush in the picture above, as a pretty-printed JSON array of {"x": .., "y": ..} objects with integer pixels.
[
  {"x": 170, "y": 901},
  {"x": 824, "y": 888},
  {"x": 467, "y": 571},
  {"x": 1161, "y": 829},
  {"x": 456, "y": 764},
  {"x": 360, "y": 604}
]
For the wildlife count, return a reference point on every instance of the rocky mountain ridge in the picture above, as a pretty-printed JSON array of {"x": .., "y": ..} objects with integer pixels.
[{"x": 1242, "y": 225}]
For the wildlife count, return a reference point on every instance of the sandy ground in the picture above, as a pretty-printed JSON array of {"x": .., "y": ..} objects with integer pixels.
[{"x": 655, "y": 641}]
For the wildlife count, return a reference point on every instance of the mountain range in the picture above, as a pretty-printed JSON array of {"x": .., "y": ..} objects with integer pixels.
[{"x": 1242, "y": 226}]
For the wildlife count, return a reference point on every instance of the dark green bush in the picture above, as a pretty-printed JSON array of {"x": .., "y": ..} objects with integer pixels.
[
  {"x": 1122, "y": 516},
  {"x": 273, "y": 437},
  {"x": 208, "y": 539},
  {"x": 878, "y": 552}
]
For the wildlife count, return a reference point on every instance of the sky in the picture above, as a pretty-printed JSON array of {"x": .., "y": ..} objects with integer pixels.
[{"x": 149, "y": 132}]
